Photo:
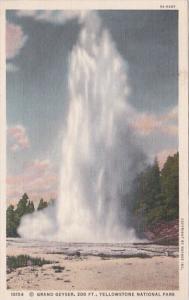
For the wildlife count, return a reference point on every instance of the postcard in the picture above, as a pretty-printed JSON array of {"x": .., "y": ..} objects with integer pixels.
[{"x": 94, "y": 150}]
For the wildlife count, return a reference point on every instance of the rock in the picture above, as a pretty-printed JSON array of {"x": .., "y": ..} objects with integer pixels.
[{"x": 164, "y": 233}]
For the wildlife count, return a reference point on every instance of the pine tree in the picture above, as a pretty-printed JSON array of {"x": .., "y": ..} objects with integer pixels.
[
  {"x": 22, "y": 206},
  {"x": 11, "y": 222},
  {"x": 30, "y": 207},
  {"x": 14, "y": 216},
  {"x": 147, "y": 196},
  {"x": 170, "y": 186},
  {"x": 42, "y": 204}
]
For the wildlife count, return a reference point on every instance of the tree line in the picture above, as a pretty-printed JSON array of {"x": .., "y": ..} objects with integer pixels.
[
  {"x": 154, "y": 195},
  {"x": 14, "y": 214}
]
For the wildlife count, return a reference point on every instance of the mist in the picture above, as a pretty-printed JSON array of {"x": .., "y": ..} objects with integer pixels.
[{"x": 101, "y": 153}]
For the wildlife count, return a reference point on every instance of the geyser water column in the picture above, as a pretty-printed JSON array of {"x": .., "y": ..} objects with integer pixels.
[
  {"x": 98, "y": 152},
  {"x": 100, "y": 156}
]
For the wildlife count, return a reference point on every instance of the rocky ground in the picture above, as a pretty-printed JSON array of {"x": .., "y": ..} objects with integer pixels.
[
  {"x": 95, "y": 266},
  {"x": 166, "y": 233}
]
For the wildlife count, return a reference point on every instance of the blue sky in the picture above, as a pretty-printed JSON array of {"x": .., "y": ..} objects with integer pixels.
[{"x": 38, "y": 50}]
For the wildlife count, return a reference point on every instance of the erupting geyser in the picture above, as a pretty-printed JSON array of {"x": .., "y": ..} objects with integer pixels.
[{"x": 100, "y": 155}]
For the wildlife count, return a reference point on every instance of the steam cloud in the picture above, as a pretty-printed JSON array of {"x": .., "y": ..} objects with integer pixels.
[{"x": 100, "y": 153}]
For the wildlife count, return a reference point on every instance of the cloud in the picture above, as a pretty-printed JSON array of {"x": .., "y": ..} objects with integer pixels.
[
  {"x": 15, "y": 40},
  {"x": 38, "y": 166},
  {"x": 55, "y": 16},
  {"x": 170, "y": 129},
  {"x": 172, "y": 115},
  {"x": 17, "y": 138},
  {"x": 38, "y": 179},
  {"x": 146, "y": 123},
  {"x": 162, "y": 156}
]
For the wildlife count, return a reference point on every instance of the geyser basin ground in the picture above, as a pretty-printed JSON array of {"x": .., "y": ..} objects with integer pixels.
[{"x": 93, "y": 266}]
